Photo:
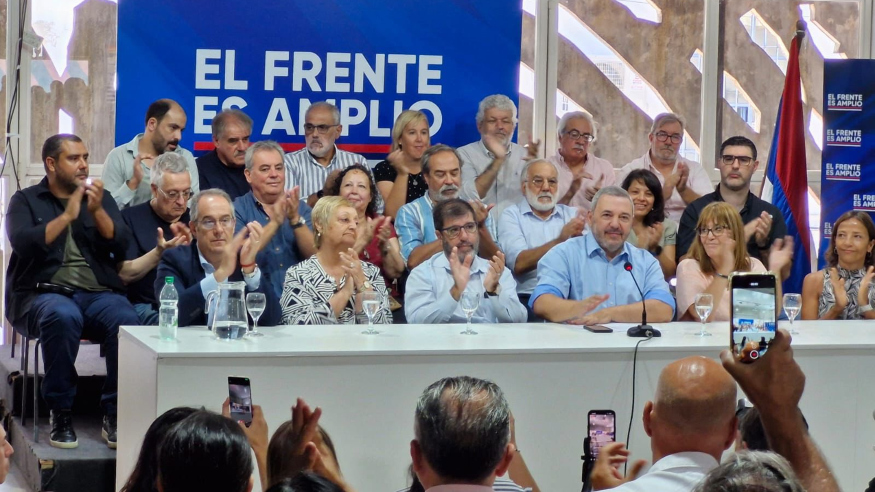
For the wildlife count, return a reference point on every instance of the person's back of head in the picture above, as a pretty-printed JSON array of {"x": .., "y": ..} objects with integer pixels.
[
  {"x": 305, "y": 482},
  {"x": 462, "y": 428},
  {"x": 205, "y": 451},
  {"x": 752, "y": 471},
  {"x": 143, "y": 478},
  {"x": 284, "y": 460},
  {"x": 751, "y": 433}
]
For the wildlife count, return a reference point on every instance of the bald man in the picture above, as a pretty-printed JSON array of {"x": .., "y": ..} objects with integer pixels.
[{"x": 690, "y": 421}]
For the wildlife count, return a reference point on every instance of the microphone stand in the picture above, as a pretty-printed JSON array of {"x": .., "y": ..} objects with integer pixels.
[{"x": 643, "y": 330}]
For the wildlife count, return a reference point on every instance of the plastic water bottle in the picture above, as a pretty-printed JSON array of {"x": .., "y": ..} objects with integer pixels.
[{"x": 168, "y": 313}]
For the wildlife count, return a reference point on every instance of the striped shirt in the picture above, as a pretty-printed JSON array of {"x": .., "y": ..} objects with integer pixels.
[{"x": 303, "y": 170}]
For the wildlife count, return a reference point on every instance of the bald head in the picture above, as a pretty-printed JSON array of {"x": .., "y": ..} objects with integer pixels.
[{"x": 695, "y": 395}]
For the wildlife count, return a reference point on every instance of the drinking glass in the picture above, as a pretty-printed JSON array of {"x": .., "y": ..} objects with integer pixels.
[
  {"x": 792, "y": 305},
  {"x": 255, "y": 303},
  {"x": 704, "y": 304},
  {"x": 371, "y": 304},
  {"x": 470, "y": 301}
]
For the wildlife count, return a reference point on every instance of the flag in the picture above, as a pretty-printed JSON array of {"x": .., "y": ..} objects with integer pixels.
[{"x": 786, "y": 178}]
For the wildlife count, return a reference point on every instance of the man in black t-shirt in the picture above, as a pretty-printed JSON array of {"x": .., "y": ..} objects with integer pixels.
[{"x": 223, "y": 167}]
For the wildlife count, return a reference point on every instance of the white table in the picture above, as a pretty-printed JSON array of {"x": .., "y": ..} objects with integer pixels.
[{"x": 552, "y": 375}]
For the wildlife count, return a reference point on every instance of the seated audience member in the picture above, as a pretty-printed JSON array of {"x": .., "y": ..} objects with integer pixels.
[
  {"x": 774, "y": 384},
  {"x": 399, "y": 177},
  {"x": 305, "y": 482},
  {"x": 494, "y": 163},
  {"x": 844, "y": 289},
  {"x": 581, "y": 174},
  {"x": 717, "y": 253},
  {"x": 462, "y": 435},
  {"x": 752, "y": 471},
  {"x": 442, "y": 169},
  {"x": 322, "y": 289},
  {"x": 145, "y": 475},
  {"x": 310, "y": 168},
  {"x": 690, "y": 421},
  {"x": 435, "y": 287},
  {"x": 67, "y": 239},
  {"x": 651, "y": 230},
  {"x": 171, "y": 190},
  {"x": 212, "y": 258},
  {"x": 271, "y": 206},
  {"x": 530, "y": 228},
  {"x": 376, "y": 241},
  {"x": 683, "y": 181},
  {"x": 205, "y": 451},
  {"x": 6, "y": 452},
  {"x": 126, "y": 171},
  {"x": 763, "y": 222},
  {"x": 575, "y": 277},
  {"x": 224, "y": 166}
]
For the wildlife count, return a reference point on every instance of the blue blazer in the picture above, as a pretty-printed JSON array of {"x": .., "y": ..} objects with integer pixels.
[{"x": 184, "y": 265}]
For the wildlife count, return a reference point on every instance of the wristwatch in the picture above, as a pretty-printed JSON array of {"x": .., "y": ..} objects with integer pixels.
[
  {"x": 299, "y": 223},
  {"x": 366, "y": 285},
  {"x": 487, "y": 294}
]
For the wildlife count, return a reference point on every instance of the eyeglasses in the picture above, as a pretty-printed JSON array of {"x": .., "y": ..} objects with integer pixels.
[
  {"x": 539, "y": 182},
  {"x": 453, "y": 232},
  {"x": 322, "y": 129},
  {"x": 716, "y": 231},
  {"x": 675, "y": 137},
  {"x": 576, "y": 135},
  {"x": 743, "y": 160},
  {"x": 503, "y": 121},
  {"x": 174, "y": 195},
  {"x": 210, "y": 224}
]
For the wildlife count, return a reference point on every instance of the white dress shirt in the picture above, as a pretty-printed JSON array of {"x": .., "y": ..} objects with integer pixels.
[{"x": 679, "y": 472}]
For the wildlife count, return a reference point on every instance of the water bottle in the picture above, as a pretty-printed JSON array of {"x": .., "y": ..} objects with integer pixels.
[{"x": 168, "y": 313}]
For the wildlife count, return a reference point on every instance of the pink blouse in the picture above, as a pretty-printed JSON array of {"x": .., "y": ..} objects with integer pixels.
[{"x": 692, "y": 281}]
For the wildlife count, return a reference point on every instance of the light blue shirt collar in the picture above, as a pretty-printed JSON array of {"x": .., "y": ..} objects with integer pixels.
[
  {"x": 526, "y": 209},
  {"x": 593, "y": 249}
]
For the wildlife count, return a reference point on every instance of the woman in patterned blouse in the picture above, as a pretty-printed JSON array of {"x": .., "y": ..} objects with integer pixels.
[
  {"x": 322, "y": 289},
  {"x": 844, "y": 289}
]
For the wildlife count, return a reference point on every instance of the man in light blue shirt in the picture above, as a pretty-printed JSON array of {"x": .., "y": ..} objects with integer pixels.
[
  {"x": 529, "y": 229},
  {"x": 442, "y": 171},
  {"x": 585, "y": 279},
  {"x": 435, "y": 287}
]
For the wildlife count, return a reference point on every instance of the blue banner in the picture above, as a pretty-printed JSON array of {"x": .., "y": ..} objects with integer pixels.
[
  {"x": 273, "y": 58},
  {"x": 849, "y": 142}
]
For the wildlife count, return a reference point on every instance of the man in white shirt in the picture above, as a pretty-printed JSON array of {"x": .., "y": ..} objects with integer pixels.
[
  {"x": 682, "y": 180},
  {"x": 690, "y": 421}
]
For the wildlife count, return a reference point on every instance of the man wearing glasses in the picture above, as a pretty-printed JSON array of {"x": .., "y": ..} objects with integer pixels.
[
  {"x": 310, "y": 168},
  {"x": 682, "y": 180},
  {"x": 435, "y": 287},
  {"x": 222, "y": 167},
  {"x": 581, "y": 174},
  {"x": 763, "y": 222},
  {"x": 167, "y": 211}
]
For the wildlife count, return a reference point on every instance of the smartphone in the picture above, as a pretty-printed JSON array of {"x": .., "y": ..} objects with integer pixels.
[
  {"x": 602, "y": 429},
  {"x": 88, "y": 182},
  {"x": 753, "y": 314},
  {"x": 240, "y": 394},
  {"x": 598, "y": 328}
]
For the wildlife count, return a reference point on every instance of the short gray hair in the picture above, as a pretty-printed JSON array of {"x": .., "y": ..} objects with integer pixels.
[
  {"x": 221, "y": 120},
  {"x": 194, "y": 211},
  {"x": 663, "y": 119},
  {"x": 577, "y": 115},
  {"x": 497, "y": 101},
  {"x": 436, "y": 149},
  {"x": 612, "y": 191},
  {"x": 524, "y": 176},
  {"x": 335, "y": 113},
  {"x": 462, "y": 425},
  {"x": 168, "y": 162},
  {"x": 763, "y": 471},
  {"x": 262, "y": 146}
]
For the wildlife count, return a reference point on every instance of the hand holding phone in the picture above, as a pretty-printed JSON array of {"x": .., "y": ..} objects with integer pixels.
[
  {"x": 240, "y": 394},
  {"x": 602, "y": 429},
  {"x": 754, "y": 314}
]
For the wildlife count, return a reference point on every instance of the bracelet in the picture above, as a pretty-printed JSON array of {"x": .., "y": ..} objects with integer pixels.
[
  {"x": 247, "y": 266},
  {"x": 721, "y": 275}
]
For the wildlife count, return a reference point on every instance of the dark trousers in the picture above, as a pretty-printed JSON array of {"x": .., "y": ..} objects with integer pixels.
[
  {"x": 533, "y": 318},
  {"x": 62, "y": 322}
]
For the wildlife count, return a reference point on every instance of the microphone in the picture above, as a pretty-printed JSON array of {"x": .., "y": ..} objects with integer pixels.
[{"x": 643, "y": 330}]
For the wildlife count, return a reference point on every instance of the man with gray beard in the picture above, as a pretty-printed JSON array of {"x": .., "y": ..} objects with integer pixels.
[
  {"x": 530, "y": 228},
  {"x": 442, "y": 171}
]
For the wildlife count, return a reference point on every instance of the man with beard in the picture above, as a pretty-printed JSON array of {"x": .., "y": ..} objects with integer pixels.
[
  {"x": 495, "y": 164},
  {"x": 223, "y": 167},
  {"x": 576, "y": 277},
  {"x": 581, "y": 174},
  {"x": 126, "y": 172},
  {"x": 530, "y": 228},
  {"x": 67, "y": 240},
  {"x": 682, "y": 180},
  {"x": 435, "y": 287},
  {"x": 442, "y": 171},
  {"x": 311, "y": 167},
  {"x": 763, "y": 222}
]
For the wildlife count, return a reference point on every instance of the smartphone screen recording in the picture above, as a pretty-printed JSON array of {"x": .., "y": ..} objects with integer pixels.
[
  {"x": 754, "y": 314},
  {"x": 240, "y": 394},
  {"x": 602, "y": 430}
]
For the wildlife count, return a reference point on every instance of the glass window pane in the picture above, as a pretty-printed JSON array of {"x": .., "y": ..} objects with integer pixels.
[{"x": 527, "y": 72}]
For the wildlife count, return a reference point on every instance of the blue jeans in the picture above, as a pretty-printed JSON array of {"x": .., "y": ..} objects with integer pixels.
[
  {"x": 62, "y": 322},
  {"x": 148, "y": 315}
]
